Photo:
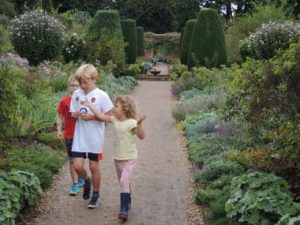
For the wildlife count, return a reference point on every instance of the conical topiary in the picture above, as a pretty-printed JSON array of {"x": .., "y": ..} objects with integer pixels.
[
  {"x": 140, "y": 41},
  {"x": 207, "y": 45},
  {"x": 185, "y": 40},
  {"x": 129, "y": 33},
  {"x": 105, "y": 25}
]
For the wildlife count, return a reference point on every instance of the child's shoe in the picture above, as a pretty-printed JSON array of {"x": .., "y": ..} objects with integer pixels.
[
  {"x": 80, "y": 181},
  {"x": 86, "y": 189},
  {"x": 94, "y": 202},
  {"x": 125, "y": 198},
  {"x": 74, "y": 189}
]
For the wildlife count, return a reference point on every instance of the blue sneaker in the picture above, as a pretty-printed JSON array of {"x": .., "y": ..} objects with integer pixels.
[
  {"x": 80, "y": 182},
  {"x": 74, "y": 189}
]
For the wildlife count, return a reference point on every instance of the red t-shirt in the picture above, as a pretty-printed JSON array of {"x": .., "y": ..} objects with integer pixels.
[{"x": 69, "y": 121}]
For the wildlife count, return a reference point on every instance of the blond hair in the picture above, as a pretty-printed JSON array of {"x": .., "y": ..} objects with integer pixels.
[
  {"x": 128, "y": 105},
  {"x": 72, "y": 78},
  {"x": 86, "y": 71}
]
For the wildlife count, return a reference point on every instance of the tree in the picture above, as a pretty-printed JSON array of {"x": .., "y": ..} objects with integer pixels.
[
  {"x": 140, "y": 40},
  {"x": 186, "y": 39}
]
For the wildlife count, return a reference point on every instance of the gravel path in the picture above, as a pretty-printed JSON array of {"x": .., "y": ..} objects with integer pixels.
[{"x": 162, "y": 183}]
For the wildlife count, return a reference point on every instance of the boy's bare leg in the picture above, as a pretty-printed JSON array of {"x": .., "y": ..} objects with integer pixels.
[
  {"x": 96, "y": 175},
  {"x": 73, "y": 173},
  {"x": 79, "y": 168}
]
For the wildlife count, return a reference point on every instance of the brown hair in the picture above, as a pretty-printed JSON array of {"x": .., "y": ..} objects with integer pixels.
[{"x": 128, "y": 105}]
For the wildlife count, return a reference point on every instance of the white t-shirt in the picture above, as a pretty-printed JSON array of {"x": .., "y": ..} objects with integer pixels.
[{"x": 89, "y": 135}]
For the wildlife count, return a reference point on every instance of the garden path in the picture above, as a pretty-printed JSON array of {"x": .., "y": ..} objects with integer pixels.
[{"x": 162, "y": 184}]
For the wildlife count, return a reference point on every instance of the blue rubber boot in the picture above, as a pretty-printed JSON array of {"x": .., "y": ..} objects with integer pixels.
[{"x": 125, "y": 198}]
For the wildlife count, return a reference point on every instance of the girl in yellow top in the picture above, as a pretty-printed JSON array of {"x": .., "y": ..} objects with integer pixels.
[{"x": 127, "y": 126}]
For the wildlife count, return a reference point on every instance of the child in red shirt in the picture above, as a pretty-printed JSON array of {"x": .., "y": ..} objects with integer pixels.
[{"x": 64, "y": 119}]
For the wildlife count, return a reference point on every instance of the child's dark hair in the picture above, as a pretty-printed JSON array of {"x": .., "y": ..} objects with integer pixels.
[{"x": 128, "y": 105}]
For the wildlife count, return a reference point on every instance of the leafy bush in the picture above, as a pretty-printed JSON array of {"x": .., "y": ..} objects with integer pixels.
[
  {"x": 269, "y": 38},
  {"x": 203, "y": 197},
  {"x": 259, "y": 198},
  {"x": 219, "y": 168},
  {"x": 37, "y": 36},
  {"x": 244, "y": 24},
  {"x": 36, "y": 159},
  {"x": 5, "y": 44},
  {"x": 51, "y": 140},
  {"x": 75, "y": 48},
  {"x": 17, "y": 188},
  {"x": 207, "y": 47},
  {"x": 9, "y": 202},
  {"x": 7, "y": 8}
]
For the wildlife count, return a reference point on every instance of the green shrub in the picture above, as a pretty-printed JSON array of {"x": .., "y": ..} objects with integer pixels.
[
  {"x": 37, "y": 36},
  {"x": 270, "y": 37},
  {"x": 51, "y": 140},
  {"x": 259, "y": 198},
  {"x": 75, "y": 48},
  {"x": 186, "y": 39},
  {"x": 207, "y": 45},
  {"x": 203, "y": 197},
  {"x": 219, "y": 168},
  {"x": 130, "y": 38},
  {"x": 27, "y": 183},
  {"x": 36, "y": 159},
  {"x": 140, "y": 41},
  {"x": 5, "y": 45},
  {"x": 10, "y": 204}
]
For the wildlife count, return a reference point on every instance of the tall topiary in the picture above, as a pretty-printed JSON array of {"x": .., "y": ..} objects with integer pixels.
[
  {"x": 140, "y": 41},
  {"x": 207, "y": 45},
  {"x": 37, "y": 36},
  {"x": 105, "y": 39},
  {"x": 185, "y": 40},
  {"x": 105, "y": 25},
  {"x": 129, "y": 32}
]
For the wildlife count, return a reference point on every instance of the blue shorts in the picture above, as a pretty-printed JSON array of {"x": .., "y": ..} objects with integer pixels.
[{"x": 91, "y": 156}]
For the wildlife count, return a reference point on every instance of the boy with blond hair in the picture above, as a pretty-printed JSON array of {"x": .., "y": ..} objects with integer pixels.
[{"x": 89, "y": 133}]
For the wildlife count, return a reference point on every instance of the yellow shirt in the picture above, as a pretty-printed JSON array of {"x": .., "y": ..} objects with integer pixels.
[{"x": 124, "y": 139}]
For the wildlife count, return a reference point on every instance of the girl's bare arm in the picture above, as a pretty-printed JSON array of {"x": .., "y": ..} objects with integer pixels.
[
  {"x": 139, "y": 130},
  {"x": 100, "y": 115}
]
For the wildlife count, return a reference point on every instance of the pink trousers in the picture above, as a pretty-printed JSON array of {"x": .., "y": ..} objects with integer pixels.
[{"x": 124, "y": 170}]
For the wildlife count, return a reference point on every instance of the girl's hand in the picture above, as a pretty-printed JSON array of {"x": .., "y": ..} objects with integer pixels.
[
  {"x": 140, "y": 119},
  {"x": 76, "y": 114}
]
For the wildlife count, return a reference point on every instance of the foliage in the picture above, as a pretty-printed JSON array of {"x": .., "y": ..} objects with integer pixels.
[
  {"x": 269, "y": 38},
  {"x": 130, "y": 38},
  {"x": 244, "y": 24},
  {"x": 5, "y": 44},
  {"x": 265, "y": 93},
  {"x": 105, "y": 39},
  {"x": 37, "y": 36},
  {"x": 207, "y": 45},
  {"x": 184, "y": 45},
  {"x": 7, "y": 8},
  {"x": 50, "y": 139},
  {"x": 105, "y": 25},
  {"x": 36, "y": 159},
  {"x": 10, "y": 95},
  {"x": 259, "y": 198},
  {"x": 194, "y": 105},
  {"x": 17, "y": 188},
  {"x": 75, "y": 48},
  {"x": 140, "y": 40},
  {"x": 219, "y": 168}
]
